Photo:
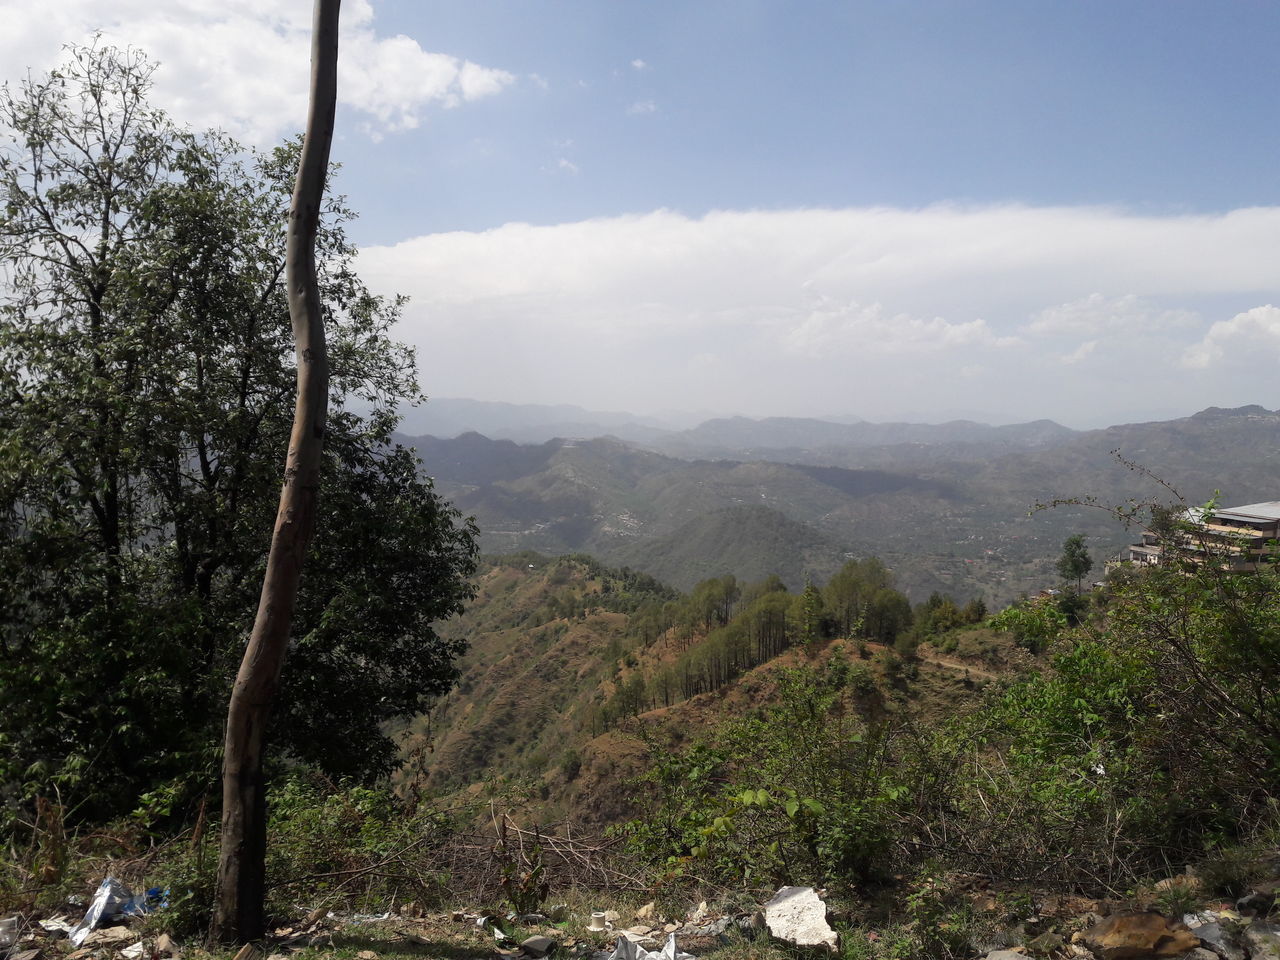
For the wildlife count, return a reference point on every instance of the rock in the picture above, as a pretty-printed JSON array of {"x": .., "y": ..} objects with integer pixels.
[
  {"x": 539, "y": 946},
  {"x": 1180, "y": 882},
  {"x": 1262, "y": 941},
  {"x": 647, "y": 912},
  {"x": 1216, "y": 938},
  {"x": 1257, "y": 902},
  {"x": 362, "y": 955},
  {"x": 1137, "y": 936},
  {"x": 113, "y": 937},
  {"x": 796, "y": 915}
]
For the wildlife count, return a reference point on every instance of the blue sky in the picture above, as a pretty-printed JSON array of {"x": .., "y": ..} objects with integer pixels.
[
  {"x": 1157, "y": 107},
  {"x": 898, "y": 209}
]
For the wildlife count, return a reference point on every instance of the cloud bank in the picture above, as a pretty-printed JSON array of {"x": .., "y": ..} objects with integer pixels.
[
  {"x": 241, "y": 65},
  {"x": 1087, "y": 315}
]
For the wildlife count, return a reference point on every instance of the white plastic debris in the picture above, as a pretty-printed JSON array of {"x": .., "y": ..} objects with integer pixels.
[
  {"x": 110, "y": 900},
  {"x": 628, "y": 950},
  {"x": 9, "y": 930}
]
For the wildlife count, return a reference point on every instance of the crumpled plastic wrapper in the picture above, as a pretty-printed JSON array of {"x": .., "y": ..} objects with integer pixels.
[{"x": 627, "y": 950}]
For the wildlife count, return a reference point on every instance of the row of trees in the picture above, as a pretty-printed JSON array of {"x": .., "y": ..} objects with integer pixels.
[{"x": 724, "y": 629}]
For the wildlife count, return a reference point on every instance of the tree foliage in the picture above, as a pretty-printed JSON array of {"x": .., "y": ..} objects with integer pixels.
[{"x": 146, "y": 380}]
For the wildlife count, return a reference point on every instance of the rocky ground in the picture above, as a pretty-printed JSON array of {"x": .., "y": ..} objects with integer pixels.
[{"x": 795, "y": 922}]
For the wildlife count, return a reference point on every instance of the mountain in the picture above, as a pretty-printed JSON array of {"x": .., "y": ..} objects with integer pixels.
[
  {"x": 751, "y": 542},
  {"x": 743, "y": 437},
  {"x": 957, "y": 516},
  {"x": 527, "y": 423}
]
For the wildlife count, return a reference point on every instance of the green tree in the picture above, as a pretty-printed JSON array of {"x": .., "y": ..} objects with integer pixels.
[
  {"x": 146, "y": 374},
  {"x": 1075, "y": 562}
]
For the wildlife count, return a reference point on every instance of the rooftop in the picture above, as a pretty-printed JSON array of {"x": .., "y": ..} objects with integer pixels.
[{"x": 1267, "y": 510}]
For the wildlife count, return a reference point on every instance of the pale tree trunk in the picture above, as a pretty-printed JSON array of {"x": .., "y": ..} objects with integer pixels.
[{"x": 239, "y": 910}]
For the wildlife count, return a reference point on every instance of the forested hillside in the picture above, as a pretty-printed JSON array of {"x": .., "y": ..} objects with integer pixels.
[
  {"x": 570, "y": 659},
  {"x": 946, "y": 512}
]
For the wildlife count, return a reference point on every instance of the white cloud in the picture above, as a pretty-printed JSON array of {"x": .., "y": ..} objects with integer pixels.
[
  {"x": 1080, "y": 352},
  {"x": 1030, "y": 311},
  {"x": 241, "y": 65},
  {"x": 638, "y": 64},
  {"x": 642, "y": 106},
  {"x": 567, "y": 165},
  {"x": 1100, "y": 314},
  {"x": 1253, "y": 335}
]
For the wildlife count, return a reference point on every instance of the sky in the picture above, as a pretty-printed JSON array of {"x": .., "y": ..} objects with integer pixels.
[{"x": 891, "y": 210}]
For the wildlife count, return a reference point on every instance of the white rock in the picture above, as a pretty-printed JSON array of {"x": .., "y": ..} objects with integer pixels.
[{"x": 796, "y": 915}]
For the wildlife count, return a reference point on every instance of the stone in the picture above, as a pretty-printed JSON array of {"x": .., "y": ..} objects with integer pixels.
[
  {"x": 1262, "y": 941},
  {"x": 113, "y": 937},
  {"x": 539, "y": 946},
  {"x": 647, "y": 912},
  {"x": 1216, "y": 938},
  {"x": 1257, "y": 902},
  {"x": 1139, "y": 936},
  {"x": 1181, "y": 882},
  {"x": 366, "y": 955},
  {"x": 796, "y": 915}
]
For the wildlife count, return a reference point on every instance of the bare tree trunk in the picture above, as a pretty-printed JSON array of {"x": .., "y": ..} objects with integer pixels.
[{"x": 239, "y": 910}]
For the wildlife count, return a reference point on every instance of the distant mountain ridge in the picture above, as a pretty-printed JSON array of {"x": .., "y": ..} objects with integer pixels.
[{"x": 948, "y": 514}]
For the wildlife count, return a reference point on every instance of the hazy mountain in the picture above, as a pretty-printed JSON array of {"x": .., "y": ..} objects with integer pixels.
[
  {"x": 527, "y": 423},
  {"x": 798, "y": 439},
  {"x": 751, "y": 542},
  {"x": 954, "y": 516}
]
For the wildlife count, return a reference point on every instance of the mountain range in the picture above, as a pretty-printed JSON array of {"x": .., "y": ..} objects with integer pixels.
[{"x": 949, "y": 507}]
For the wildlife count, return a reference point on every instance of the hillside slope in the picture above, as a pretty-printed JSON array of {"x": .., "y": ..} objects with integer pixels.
[
  {"x": 942, "y": 515},
  {"x": 557, "y": 646}
]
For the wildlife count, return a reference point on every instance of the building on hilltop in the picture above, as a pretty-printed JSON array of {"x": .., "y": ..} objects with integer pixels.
[{"x": 1237, "y": 538}]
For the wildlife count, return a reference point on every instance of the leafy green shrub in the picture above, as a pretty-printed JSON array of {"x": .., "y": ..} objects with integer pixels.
[{"x": 805, "y": 791}]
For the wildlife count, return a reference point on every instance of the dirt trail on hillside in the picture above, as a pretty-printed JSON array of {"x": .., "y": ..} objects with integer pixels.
[{"x": 932, "y": 656}]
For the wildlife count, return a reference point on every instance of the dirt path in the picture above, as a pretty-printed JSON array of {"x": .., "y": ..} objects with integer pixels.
[{"x": 932, "y": 656}]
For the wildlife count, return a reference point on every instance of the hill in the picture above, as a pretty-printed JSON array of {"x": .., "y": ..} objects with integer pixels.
[
  {"x": 570, "y": 662},
  {"x": 750, "y": 542},
  {"x": 956, "y": 516}
]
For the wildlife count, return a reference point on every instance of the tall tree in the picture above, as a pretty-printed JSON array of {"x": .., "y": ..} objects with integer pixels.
[
  {"x": 1075, "y": 562},
  {"x": 146, "y": 368},
  {"x": 242, "y": 861}
]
